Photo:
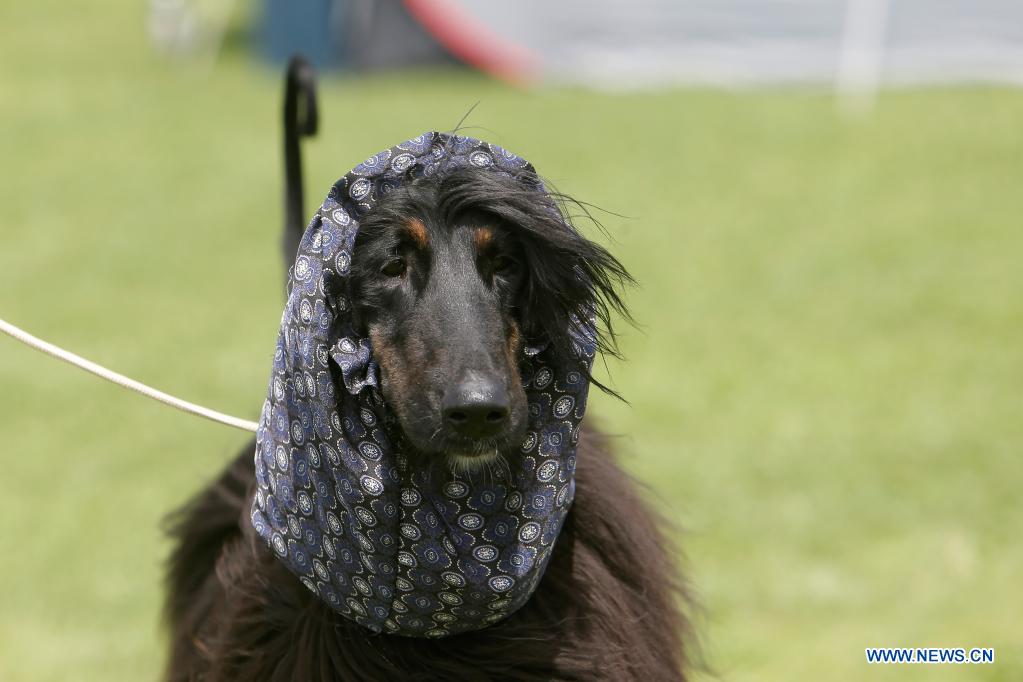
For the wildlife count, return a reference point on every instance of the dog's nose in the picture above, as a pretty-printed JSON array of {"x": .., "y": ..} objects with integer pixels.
[{"x": 477, "y": 408}]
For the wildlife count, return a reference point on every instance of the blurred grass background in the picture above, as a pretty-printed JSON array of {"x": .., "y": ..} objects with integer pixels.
[{"x": 825, "y": 391}]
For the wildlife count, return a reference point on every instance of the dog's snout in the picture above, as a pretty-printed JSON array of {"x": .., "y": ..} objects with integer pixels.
[{"x": 477, "y": 408}]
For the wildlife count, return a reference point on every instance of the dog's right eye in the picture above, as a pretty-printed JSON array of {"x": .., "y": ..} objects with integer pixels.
[{"x": 394, "y": 268}]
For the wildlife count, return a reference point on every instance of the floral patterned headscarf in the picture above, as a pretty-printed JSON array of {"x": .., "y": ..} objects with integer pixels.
[{"x": 398, "y": 548}]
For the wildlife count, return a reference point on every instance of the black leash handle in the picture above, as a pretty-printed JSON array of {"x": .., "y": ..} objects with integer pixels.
[{"x": 301, "y": 119}]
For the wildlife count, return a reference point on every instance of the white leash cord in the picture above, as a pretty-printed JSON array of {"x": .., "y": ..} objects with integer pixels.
[{"x": 123, "y": 381}]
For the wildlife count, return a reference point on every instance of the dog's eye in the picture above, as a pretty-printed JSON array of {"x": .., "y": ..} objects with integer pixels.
[
  {"x": 394, "y": 268},
  {"x": 503, "y": 265}
]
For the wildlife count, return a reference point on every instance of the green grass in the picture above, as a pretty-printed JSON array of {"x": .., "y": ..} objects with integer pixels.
[{"x": 825, "y": 391}]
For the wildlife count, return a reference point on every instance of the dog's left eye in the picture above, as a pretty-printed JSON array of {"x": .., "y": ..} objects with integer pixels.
[
  {"x": 394, "y": 268},
  {"x": 503, "y": 265}
]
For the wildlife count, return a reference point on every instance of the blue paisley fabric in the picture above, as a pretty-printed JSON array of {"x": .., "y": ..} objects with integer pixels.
[{"x": 397, "y": 548}]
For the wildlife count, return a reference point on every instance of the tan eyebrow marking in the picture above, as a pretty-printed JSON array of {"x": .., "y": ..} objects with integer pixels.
[
  {"x": 482, "y": 237},
  {"x": 417, "y": 231}
]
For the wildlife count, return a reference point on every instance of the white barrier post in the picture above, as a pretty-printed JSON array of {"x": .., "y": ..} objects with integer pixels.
[{"x": 861, "y": 60}]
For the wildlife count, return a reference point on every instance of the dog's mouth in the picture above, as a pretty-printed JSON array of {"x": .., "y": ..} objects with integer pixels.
[
  {"x": 475, "y": 455},
  {"x": 464, "y": 455},
  {"x": 491, "y": 461}
]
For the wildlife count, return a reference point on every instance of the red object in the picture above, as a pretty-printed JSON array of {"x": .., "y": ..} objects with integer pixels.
[{"x": 474, "y": 43}]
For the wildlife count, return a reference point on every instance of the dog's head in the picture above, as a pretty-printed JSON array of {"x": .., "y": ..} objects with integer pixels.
[
  {"x": 453, "y": 278},
  {"x": 445, "y": 264}
]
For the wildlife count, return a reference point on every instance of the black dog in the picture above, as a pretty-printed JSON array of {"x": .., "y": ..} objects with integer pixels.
[{"x": 451, "y": 276}]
